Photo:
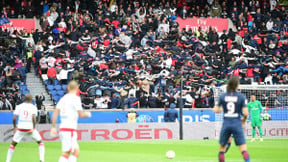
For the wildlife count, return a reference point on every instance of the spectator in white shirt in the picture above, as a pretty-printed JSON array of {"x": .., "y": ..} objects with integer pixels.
[
  {"x": 268, "y": 79},
  {"x": 114, "y": 7},
  {"x": 43, "y": 65},
  {"x": 51, "y": 61},
  {"x": 105, "y": 101},
  {"x": 102, "y": 102},
  {"x": 62, "y": 23},
  {"x": 5, "y": 104},
  {"x": 188, "y": 101},
  {"x": 273, "y": 4},
  {"x": 63, "y": 75},
  {"x": 269, "y": 25}
]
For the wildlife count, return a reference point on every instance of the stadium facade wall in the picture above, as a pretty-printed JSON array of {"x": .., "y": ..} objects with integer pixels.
[
  {"x": 149, "y": 116},
  {"x": 150, "y": 131}
]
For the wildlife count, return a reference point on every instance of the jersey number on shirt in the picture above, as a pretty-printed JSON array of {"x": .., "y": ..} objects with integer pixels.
[
  {"x": 230, "y": 108},
  {"x": 25, "y": 114}
]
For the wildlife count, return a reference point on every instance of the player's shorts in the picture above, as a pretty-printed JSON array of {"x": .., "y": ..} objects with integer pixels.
[
  {"x": 69, "y": 140},
  {"x": 256, "y": 123},
  {"x": 20, "y": 133},
  {"x": 235, "y": 129}
]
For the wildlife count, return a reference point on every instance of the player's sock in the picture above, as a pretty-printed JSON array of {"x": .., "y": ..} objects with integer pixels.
[
  {"x": 227, "y": 146},
  {"x": 42, "y": 151},
  {"x": 10, "y": 153},
  {"x": 253, "y": 132},
  {"x": 73, "y": 158},
  {"x": 63, "y": 158},
  {"x": 221, "y": 156},
  {"x": 246, "y": 156},
  {"x": 260, "y": 132}
]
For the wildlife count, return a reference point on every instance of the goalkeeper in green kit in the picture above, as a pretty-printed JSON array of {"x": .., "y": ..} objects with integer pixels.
[{"x": 255, "y": 110}]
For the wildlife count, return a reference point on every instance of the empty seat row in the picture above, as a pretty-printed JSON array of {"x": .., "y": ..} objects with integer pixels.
[{"x": 57, "y": 87}]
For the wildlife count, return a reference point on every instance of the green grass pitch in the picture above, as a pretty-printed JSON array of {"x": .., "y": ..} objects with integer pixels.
[{"x": 271, "y": 150}]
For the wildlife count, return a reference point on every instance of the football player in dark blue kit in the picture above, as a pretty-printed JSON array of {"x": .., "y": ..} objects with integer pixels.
[{"x": 234, "y": 105}]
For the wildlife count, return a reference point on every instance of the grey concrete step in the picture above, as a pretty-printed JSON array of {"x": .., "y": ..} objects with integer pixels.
[
  {"x": 37, "y": 25},
  {"x": 34, "y": 80},
  {"x": 36, "y": 87}
]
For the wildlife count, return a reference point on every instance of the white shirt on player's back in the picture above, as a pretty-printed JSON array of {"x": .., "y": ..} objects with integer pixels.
[
  {"x": 69, "y": 105},
  {"x": 25, "y": 111}
]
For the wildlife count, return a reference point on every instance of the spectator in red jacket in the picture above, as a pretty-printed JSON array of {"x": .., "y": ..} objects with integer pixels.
[{"x": 51, "y": 74}]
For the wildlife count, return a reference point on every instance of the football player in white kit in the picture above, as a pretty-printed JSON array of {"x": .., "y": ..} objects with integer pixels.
[
  {"x": 26, "y": 113},
  {"x": 69, "y": 107}
]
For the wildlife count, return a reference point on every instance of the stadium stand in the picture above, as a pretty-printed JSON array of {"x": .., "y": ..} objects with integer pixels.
[{"x": 131, "y": 54}]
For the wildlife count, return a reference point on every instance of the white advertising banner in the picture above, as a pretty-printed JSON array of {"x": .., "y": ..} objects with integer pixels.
[
  {"x": 150, "y": 131},
  {"x": 211, "y": 130},
  {"x": 102, "y": 132}
]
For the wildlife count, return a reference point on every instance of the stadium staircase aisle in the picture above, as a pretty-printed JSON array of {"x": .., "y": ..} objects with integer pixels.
[
  {"x": 37, "y": 25},
  {"x": 36, "y": 87},
  {"x": 231, "y": 25}
]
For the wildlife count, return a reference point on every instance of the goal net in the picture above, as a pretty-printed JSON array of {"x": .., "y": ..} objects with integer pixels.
[
  {"x": 274, "y": 100},
  {"x": 272, "y": 97}
]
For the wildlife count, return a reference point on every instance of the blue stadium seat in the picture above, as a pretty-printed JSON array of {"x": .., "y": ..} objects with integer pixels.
[
  {"x": 50, "y": 87},
  {"x": 64, "y": 87},
  {"x": 26, "y": 92},
  {"x": 56, "y": 82},
  {"x": 23, "y": 87},
  {"x": 46, "y": 82},
  {"x": 60, "y": 93},
  {"x": 56, "y": 99},
  {"x": 58, "y": 87},
  {"x": 53, "y": 93}
]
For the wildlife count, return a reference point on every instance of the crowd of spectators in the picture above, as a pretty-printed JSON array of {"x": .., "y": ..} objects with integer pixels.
[
  {"x": 12, "y": 73},
  {"x": 132, "y": 54}
]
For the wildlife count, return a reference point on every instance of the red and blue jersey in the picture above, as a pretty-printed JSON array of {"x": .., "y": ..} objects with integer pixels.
[{"x": 232, "y": 104}]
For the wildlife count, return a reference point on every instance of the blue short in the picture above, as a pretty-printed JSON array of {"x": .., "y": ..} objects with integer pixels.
[{"x": 229, "y": 129}]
